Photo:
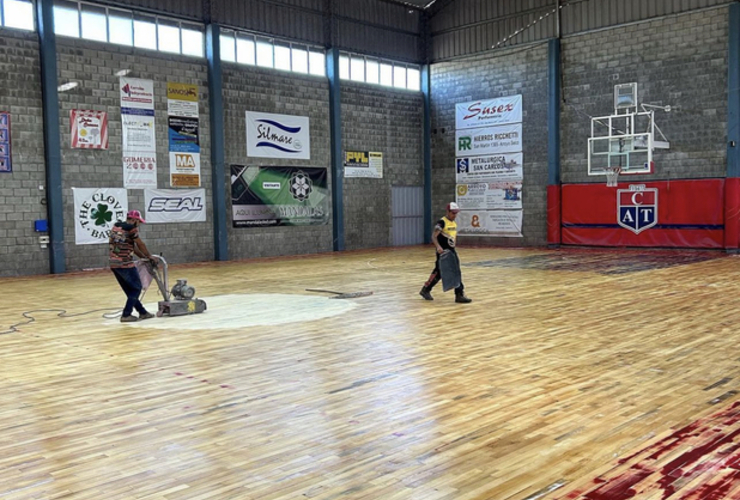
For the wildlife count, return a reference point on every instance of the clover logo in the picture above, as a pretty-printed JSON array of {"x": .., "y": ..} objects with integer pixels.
[{"x": 101, "y": 215}]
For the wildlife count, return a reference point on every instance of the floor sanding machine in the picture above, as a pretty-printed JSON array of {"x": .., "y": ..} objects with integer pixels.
[{"x": 178, "y": 301}]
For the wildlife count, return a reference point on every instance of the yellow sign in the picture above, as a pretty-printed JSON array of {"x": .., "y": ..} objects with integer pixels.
[
  {"x": 182, "y": 91},
  {"x": 356, "y": 157}
]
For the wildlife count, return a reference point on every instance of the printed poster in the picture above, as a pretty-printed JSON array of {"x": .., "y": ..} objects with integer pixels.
[
  {"x": 493, "y": 168},
  {"x": 501, "y": 111},
  {"x": 489, "y": 140},
  {"x": 139, "y": 133},
  {"x": 182, "y": 100},
  {"x": 95, "y": 212},
  {"x": 88, "y": 129},
  {"x": 363, "y": 164},
  {"x": 278, "y": 136},
  {"x": 137, "y": 96},
  {"x": 139, "y": 170},
  {"x": 6, "y": 162},
  {"x": 175, "y": 205},
  {"x": 494, "y": 223},
  {"x": 279, "y": 196},
  {"x": 184, "y": 169},
  {"x": 489, "y": 196},
  {"x": 183, "y": 134}
]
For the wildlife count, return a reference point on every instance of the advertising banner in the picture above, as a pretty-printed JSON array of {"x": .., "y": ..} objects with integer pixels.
[
  {"x": 363, "y": 164},
  {"x": 497, "y": 168},
  {"x": 492, "y": 223},
  {"x": 137, "y": 96},
  {"x": 182, "y": 100},
  {"x": 279, "y": 196},
  {"x": 489, "y": 196},
  {"x": 183, "y": 134},
  {"x": 278, "y": 136},
  {"x": 6, "y": 162},
  {"x": 88, "y": 129},
  {"x": 175, "y": 205},
  {"x": 183, "y": 128},
  {"x": 139, "y": 170},
  {"x": 488, "y": 140},
  {"x": 139, "y": 133},
  {"x": 95, "y": 212},
  {"x": 488, "y": 112},
  {"x": 184, "y": 169}
]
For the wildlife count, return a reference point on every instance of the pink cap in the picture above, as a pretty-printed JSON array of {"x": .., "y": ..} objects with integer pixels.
[
  {"x": 453, "y": 207},
  {"x": 136, "y": 215}
]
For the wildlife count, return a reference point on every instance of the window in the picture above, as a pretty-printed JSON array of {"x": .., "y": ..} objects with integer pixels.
[
  {"x": 264, "y": 54},
  {"x": 344, "y": 67},
  {"x": 93, "y": 23},
  {"x": 18, "y": 14},
  {"x": 399, "y": 77},
  {"x": 192, "y": 41},
  {"x": 245, "y": 51},
  {"x": 357, "y": 69},
  {"x": 168, "y": 36},
  {"x": 299, "y": 56},
  {"x": 120, "y": 28},
  {"x": 228, "y": 48},
  {"x": 414, "y": 79},
  {"x": 373, "y": 71},
  {"x": 386, "y": 75},
  {"x": 145, "y": 33},
  {"x": 317, "y": 63},
  {"x": 67, "y": 19},
  {"x": 282, "y": 57}
]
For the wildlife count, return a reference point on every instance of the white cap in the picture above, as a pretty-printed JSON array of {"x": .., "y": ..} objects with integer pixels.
[{"x": 453, "y": 207}]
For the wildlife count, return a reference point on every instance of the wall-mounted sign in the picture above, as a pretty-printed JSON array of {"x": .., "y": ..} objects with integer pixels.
[
  {"x": 363, "y": 164},
  {"x": 488, "y": 112},
  {"x": 88, "y": 129},
  {"x": 278, "y": 136},
  {"x": 6, "y": 162}
]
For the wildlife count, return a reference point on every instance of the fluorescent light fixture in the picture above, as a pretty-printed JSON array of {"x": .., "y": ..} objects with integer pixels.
[
  {"x": 123, "y": 72},
  {"x": 67, "y": 86}
]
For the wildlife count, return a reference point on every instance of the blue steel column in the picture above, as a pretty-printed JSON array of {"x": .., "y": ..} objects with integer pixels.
[
  {"x": 218, "y": 167},
  {"x": 554, "y": 191},
  {"x": 733, "y": 93},
  {"x": 52, "y": 141},
  {"x": 426, "y": 87},
  {"x": 335, "y": 119}
]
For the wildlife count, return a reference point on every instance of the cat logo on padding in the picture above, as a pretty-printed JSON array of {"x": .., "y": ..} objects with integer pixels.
[{"x": 637, "y": 208}]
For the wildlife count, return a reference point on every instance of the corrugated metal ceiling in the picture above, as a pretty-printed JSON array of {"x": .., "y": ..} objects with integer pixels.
[{"x": 422, "y": 4}]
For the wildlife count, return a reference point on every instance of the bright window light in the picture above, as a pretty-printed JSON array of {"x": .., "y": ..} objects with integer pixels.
[
  {"x": 373, "y": 71},
  {"x": 399, "y": 77},
  {"x": 66, "y": 21},
  {"x": 93, "y": 23},
  {"x": 414, "y": 79},
  {"x": 120, "y": 28},
  {"x": 192, "y": 42},
  {"x": 317, "y": 63},
  {"x": 300, "y": 60},
  {"x": 145, "y": 34},
  {"x": 357, "y": 69},
  {"x": 19, "y": 14},
  {"x": 245, "y": 51},
  {"x": 282, "y": 57},
  {"x": 228, "y": 49},
  {"x": 386, "y": 75},
  {"x": 169, "y": 37},
  {"x": 344, "y": 67},
  {"x": 264, "y": 55}
]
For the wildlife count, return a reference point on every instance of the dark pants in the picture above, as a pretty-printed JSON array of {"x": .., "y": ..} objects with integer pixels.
[
  {"x": 130, "y": 283},
  {"x": 436, "y": 276}
]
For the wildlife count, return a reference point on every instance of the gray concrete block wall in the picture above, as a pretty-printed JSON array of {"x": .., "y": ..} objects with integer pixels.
[
  {"x": 94, "y": 65},
  {"x": 391, "y": 122},
  {"x": 522, "y": 70},
  {"x": 248, "y": 88},
  {"x": 21, "y": 201},
  {"x": 679, "y": 61}
]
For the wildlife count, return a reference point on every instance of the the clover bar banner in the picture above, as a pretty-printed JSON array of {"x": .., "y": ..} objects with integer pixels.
[
  {"x": 279, "y": 196},
  {"x": 96, "y": 210}
]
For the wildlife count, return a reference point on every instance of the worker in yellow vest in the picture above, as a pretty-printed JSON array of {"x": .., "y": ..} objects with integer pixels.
[{"x": 444, "y": 237}]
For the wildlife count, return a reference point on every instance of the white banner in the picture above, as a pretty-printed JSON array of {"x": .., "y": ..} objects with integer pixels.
[
  {"x": 506, "y": 223},
  {"x": 96, "y": 210},
  {"x": 175, "y": 205},
  {"x": 499, "y": 168},
  {"x": 138, "y": 133},
  {"x": 489, "y": 196},
  {"x": 139, "y": 170},
  {"x": 488, "y": 112},
  {"x": 278, "y": 136},
  {"x": 184, "y": 169},
  {"x": 489, "y": 140},
  {"x": 136, "y": 94}
]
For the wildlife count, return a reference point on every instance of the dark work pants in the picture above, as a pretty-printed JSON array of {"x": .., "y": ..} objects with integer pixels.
[
  {"x": 130, "y": 283},
  {"x": 436, "y": 276}
]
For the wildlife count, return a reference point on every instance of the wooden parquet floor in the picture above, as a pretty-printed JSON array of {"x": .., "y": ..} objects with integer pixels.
[{"x": 574, "y": 374}]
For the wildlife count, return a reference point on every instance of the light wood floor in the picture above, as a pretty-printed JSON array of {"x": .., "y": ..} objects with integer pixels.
[{"x": 573, "y": 374}]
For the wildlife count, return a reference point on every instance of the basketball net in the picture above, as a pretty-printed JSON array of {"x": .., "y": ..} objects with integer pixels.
[{"x": 612, "y": 176}]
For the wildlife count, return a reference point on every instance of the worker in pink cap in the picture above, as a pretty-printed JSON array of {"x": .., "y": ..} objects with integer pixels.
[{"x": 124, "y": 242}]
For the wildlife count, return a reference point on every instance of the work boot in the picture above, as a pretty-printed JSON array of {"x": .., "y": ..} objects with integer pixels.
[
  {"x": 129, "y": 319},
  {"x": 425, "y": 293},
  {"x": 146, "y": 316},
  {"x": 462, "y": 299}
]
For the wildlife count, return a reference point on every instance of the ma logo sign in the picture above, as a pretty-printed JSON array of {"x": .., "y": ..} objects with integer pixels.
[{"x": 637, "y": 208}]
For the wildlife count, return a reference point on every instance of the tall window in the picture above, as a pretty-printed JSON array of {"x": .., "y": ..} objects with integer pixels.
[
  {"x": 387, "y": 73},
  {"x": 16, "y": 14}
]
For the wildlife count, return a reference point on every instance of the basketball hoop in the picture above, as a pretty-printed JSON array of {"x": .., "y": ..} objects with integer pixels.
[{"x": 612, "y": 176}]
